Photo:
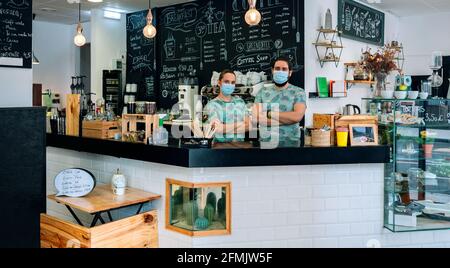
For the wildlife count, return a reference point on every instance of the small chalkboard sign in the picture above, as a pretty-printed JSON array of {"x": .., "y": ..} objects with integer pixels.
[
  {"x": 16, "y": 33},
  {"x": 437, "y": 114},
  {"x": 74, "y": 182},
  {"x": 361, "y": 23}
]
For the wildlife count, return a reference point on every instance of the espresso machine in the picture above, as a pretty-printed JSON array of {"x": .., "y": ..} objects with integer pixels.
[{"x": 187, "y": 102}]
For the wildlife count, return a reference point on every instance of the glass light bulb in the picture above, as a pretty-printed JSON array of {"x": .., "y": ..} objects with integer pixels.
[
  {"x": 253, "y": 17},
  {"x": 150, "y": 31},
  {"x": 79, "y": 40}
]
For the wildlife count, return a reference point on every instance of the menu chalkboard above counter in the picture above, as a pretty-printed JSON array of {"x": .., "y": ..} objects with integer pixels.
[
  {"x": 140, "y": 56},
  {"x": 16, "y": 33},
  {"x": 197, "y": 38},
  {"x": 192, "y": 42},
  {"x": 280, "y": 33}
]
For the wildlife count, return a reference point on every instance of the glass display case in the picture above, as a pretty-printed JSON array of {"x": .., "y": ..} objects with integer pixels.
[
  {"x": 198, "y": 209},
  {"x": 417, "y": 179}
]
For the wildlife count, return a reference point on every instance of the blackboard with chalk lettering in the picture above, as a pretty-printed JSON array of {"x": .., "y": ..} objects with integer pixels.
[
  {"x": 199, "y": 37},
  {"x": 280, "y": 33},
  {"x": 361, "y": 23},
  {"x": 192, "y": 43},
  {"x": 16, "y": 33},
  {"x": 140, "y": 56}
]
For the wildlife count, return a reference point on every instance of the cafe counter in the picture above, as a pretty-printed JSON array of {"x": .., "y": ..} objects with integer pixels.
[
  {"x": 224, "y": 155},
  {"x": 283, "y": 197}
]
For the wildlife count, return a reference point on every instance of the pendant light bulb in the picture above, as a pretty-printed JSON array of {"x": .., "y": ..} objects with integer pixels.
[
  {"x": 149, "y": 29},
  {"x": 253, "y": 16},
  {"x": 79, "y": 38}
]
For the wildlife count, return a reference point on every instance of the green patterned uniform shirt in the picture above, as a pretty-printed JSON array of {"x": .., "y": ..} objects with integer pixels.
[
  {"x": 231, "y": 112},
  {"x": 281, "y": 101}
]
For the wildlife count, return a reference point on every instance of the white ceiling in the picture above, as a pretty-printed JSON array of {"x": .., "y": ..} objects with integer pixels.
[
  {"x": 67, "y": 13},
  {"x": 405, "y": 8}
]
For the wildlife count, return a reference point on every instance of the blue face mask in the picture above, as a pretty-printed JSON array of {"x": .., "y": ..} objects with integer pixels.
[
  {"x": 228, "y": 89},
  {"x": 280, "y": 77}
]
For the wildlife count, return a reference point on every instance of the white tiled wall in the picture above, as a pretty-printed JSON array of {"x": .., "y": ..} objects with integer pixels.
[{"x": 302, "y": 206}]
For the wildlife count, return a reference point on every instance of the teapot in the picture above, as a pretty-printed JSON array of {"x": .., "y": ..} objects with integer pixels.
[{"x": 350, "y": 109}]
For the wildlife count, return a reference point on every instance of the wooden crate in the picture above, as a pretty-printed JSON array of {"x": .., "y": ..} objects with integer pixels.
[
  {"x": 320, "y": 120},
  {"x": 140, "y": 231},
  {"x": 346, "y": 120},
  {"x": 130, "y": 121},
  {"x": 100, "y": 129}
]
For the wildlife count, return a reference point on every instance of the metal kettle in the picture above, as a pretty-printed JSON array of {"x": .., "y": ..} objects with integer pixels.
[{"x": 351, "y": 110}]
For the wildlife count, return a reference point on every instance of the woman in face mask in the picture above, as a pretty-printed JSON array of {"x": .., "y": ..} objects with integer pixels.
[
  {"x": 282, "y": 105},
  {"x": 227, "y": 114}
]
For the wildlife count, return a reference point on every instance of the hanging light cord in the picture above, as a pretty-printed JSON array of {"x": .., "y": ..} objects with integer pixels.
[
  {"x": 79, "y": 12},
  {"x": 150, "y": 14}
]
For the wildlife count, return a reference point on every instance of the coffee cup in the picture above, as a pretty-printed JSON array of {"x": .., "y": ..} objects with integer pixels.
[
  {"x": 413, "y": 95},
  {"x": 423, "y": 95},
  {"x": 387, "y": 94}
]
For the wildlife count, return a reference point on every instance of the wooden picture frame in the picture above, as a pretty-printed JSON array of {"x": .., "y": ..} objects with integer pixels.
[
  {"x": 363, "y": 134},
  {"x": 190, "y": 185}
]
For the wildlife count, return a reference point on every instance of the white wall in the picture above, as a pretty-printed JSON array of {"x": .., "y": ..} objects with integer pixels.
[
  {"x": 421, "y": 35},
  {"x": 314, "y": 18},
  {"x": 108, "y": 42},
  {"x": 16, "y": 88},
  {"x": 53, "y": 46}
]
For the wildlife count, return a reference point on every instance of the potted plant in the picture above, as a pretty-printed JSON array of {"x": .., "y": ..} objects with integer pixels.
[
  {"x": 380, "y": 64},
  {"x": 427, "y": 141}
]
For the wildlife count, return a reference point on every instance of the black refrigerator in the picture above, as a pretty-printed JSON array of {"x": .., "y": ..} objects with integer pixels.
[
  {"x": 22, "y": 176},
  {"x": 113, "y": 90}
]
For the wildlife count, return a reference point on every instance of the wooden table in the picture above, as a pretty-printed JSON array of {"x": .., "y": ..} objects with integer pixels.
[{"x": 102, "y": 199}]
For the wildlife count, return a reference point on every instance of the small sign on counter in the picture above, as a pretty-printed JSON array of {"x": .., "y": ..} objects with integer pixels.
[{"x": 74, "y": 182}]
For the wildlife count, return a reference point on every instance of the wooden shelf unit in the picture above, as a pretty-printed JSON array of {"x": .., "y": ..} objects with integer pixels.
[{"x": 335, "y": 47}]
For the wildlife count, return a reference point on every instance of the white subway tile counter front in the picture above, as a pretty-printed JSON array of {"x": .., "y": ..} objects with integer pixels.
[{"x": 281, "y": 206}]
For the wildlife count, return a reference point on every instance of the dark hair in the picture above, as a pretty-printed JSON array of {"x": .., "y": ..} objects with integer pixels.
[
  {"x": 224, "y": 72},
  {"x": 285, "y": 59}
]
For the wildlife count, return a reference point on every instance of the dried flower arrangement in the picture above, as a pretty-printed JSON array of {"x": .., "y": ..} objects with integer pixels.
[{"x": 381, "y": 62}]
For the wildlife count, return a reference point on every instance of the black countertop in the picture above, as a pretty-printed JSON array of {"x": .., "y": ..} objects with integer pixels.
[{"x": 239, "y": 155}]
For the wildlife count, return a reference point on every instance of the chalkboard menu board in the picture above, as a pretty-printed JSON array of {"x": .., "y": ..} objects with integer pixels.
[
  {"x": 280, "y": 33},
  {"x": 197, "y": 38},
  {"x": 360, "y": 22},
  {"x": 140, "y": 56},
  {"x": 192, "y": 43},
  {"x": 16, "y": 33}
]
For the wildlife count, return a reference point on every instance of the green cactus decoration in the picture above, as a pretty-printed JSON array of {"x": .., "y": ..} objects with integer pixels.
[
  {"x": 201, "y": 223},
  {"x": 211, "y": 199},
  {"x": 221, "y": 207},
  {"x": 173, "y": 213},
  {"x": 177, "y": 197},
  {"x": 191, "y": 212},
  {"x": 209, "y": 213}
]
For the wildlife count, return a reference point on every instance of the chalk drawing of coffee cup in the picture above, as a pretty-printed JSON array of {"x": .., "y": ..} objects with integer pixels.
[{"x": 170, "y": 46}]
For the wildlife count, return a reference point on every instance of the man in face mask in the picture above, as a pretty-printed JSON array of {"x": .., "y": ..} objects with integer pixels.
[
  {"x": 227, "y": 114},
  {"x": 281, "y": 107}
]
